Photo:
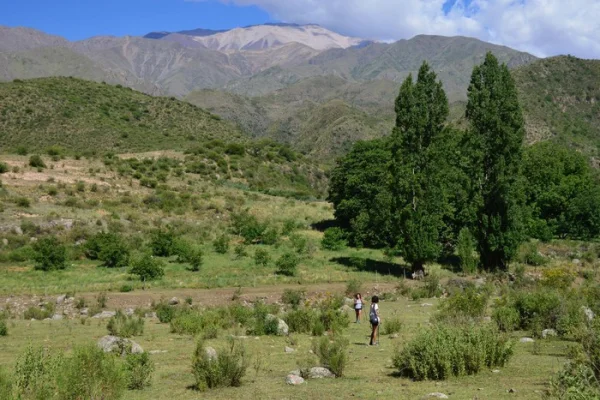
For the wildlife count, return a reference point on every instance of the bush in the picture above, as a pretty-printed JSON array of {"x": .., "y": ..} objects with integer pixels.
[
  {"x": 189, "y": 254},
  {"x": 466, "y": 304},
  {"x": 333, "y": 239},
  {"x": 332, "y": 354},
  {"x": 3, "y": 328},
  {"x": 23, "y": 202},
  {"x": 39, "y": 313},
  {"x": 35, "y": 373},
  {"x": 466, "y": 249},
  {"x": 163, "y": 243},
  {"x": 287, "y": 264},
  {"x": 91, "y": 374},
  {"x": 557, "y": 278},
  {"x": 125, "y": 326},
  {"x": 507, "y": 318},
  {"x": 293, "y": 297},
  {"x": 148, "y": 268},
  {"x": 262, "y": 257},
  {"x": 443, "y": 351},
  {"x": 3, "y": 167},
  {"x": 529, "y": 254},
  {"x": 36, "y": 161},
  {"x": 50, "y": 254},
  {"x": 353, "y": 287},
  {"x": 302, "y": 321},
  {"x": 226, "y": 369},
  {"x": 110, "y": 248},
  {"x": 139, "y": 368},
  {"x": 240, "y": 251},
  {"x": 6, "y": 385},
  {"x": 126, "y": 288},
  {"x": 221, "y": 244},
  {"x": 165, "y": 312},
  {"x": 391, "y": 326}
]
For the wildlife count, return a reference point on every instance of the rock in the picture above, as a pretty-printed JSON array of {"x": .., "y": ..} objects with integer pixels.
[
  {"x": 289, "y": 349},
  {"x": 348, "y": 301},
  {"x": 496, "y": 371},
  {"x": 436, "y": 395},
  {"x": 84, "y": 311},
  {"x": 418, "y": 275},
  {"x": 548, "y": 332},
  {"x": 346, "y": 308},
  {"x": 105, "y": 314},
  {"x": 426, "y": 305},
  {"x": 511, "y": 390},
  {"x": 61, "y": 299},
  {"x": 174, "y": 301},
  {"x": 18, "y": 230},
  {"x": 526, "y": 340},
  {"x": 394, "y": 336},
  {"x": 157, "y": 351},
  {"x": 294, "y": 380},
  {"x": 150, "y": 315},
  {"x": 57, "y": 317},
  {"x": 576, "y": 261},
  {"x": 211, "y": 353},
  {"x": 129, "y": 312},
  {"x": 588, "y": 313},
  {"x": 5, "y": 242},
  {"x": 320, "y": 372},
  {"x": 111, "y": 344},
  {"x": 282, "y": 327},
  {"x": 479, "y": 282}
]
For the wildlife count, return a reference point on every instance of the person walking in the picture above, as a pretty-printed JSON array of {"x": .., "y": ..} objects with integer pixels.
[
  {"x": 375, "y": 320},
  {"x": 358, "y": 306}
]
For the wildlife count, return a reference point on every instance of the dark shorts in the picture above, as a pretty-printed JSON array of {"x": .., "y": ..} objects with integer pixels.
[{"x": 375, "y": 323}]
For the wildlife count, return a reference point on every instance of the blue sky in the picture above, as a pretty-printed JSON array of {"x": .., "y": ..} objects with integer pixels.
[{"x": 80, "y": 19}]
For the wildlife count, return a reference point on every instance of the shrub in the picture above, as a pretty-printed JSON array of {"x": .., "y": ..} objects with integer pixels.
[
  {"x": 91, "y": 374},
  {"x": 240, "y": 251},
  {"x": 34, "y": 375},
  {"x": 557, "y": 278},
  {"x": 139, "y": 368},
  {"x": 443, "y": 351},
  {"x": 226, "y": 369},
  {"x": 126, "y": 288},
  {"x": 50, "y": 254},
  {"x": 163, "y": 243},
  {"x": 529, "y": 254},
  {"x": 262, "y": 257},
  {"x": 189, "y": 254},
  {"x": 39, "y": 313},
  {"x": 466, "y": 249},
  {"x": 302, "y": 321},
  {"x": 3, "y": 167},
  {"x": 164, "y": 312},
  {"x": 125, "y": 326},
  {"x": 353, "y": 286},
  {"x": 540, "y": 306},
  {"x": 36, "y": 161},
  {"x": 332, "y": 354},
  {"x": 391, "y": 326},
  {"x": 221, "y": 244},
  {"x": 148, "y": 268},
  {"x": 110, "y": 248},
  {"x": 80, "y": 186},
  {"x": 3, "y": 328},
  {"x": 6, "y": 385},
  {"x": 507, "y": 318},
  {"x": 468, "y": 303},
  {"x": 293, "y": 297},
  {"x": 318, "y": 329},
  {"x": 333, "y": 239},
  {"x": 287, "y": 264},
  {"x": 23, "y": 202}
]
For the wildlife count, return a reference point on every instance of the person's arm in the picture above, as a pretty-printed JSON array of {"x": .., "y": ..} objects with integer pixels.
[{"x": 377, "y": 312}]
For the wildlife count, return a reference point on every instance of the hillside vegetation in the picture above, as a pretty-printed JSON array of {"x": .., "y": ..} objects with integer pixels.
[{"x": 87, "y": 116}]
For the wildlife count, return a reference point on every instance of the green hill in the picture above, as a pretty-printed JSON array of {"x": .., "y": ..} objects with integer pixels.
[
  {"x": 82, "y": 115},
  {"x": 561, "y": 100}
]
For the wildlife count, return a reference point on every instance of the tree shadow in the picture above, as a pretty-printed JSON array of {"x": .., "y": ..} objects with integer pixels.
[
  {"x": 450, "y": 262},
  {"x": 321, "y": 226},
  {"x": 369, "y": 265}
]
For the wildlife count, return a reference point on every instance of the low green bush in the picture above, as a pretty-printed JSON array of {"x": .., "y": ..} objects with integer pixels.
[
  {"x": 125, "y": 326},
  {"x": 529, "y": 254},
  {"x": 139, "y": 369},
  {"x": 392, "y": 326},
  {"x": 3, "y": 328},
  {"x": 293, "y": 298},
  {"x": 3, "y": 167},
  {"x": 507, "y": 318},
  {"x": 334, "y": 239},
  {"x": 353, "y": 287},
  {"x": 225, "y": 370},
  {"x": 333, "y": 354},
  {"x": 221, "y": 244},
  {"x": 110, "y": 248},
  {"x": 39, "y": 313},
  {"x": 262, "y": 257},
  {"x": 148, "y": 268},
  {"x": 287, "y": 264},
  {"x": 301, "y": 320},
  {"x": 36, "y": 161},
  {"x": 50, "y": 254},
  {"x": 468, "y": 304},
  {"x": 163, "y": 243},
  {"x": 165, "y": 312}
]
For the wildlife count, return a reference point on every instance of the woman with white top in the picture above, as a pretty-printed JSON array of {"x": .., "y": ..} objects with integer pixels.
[
  {"x": 375, "y": 320},
  {"x": 358, "y": 306}
]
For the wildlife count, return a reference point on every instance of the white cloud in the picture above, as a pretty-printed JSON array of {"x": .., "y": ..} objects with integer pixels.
[{"x": 542, "y": 27}]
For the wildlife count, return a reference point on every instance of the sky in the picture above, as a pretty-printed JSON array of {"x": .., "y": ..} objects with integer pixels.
[{"x": 541, "y": 27}]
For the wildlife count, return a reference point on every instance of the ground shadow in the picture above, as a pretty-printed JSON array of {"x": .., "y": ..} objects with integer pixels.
[
  {"x": 369, "y": 265},
  {"x": 321, "y": 226},
  {"x": 450, "y": 262}
]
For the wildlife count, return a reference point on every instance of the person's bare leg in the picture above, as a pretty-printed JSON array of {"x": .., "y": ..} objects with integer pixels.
[{"x": 373, "y": 329}]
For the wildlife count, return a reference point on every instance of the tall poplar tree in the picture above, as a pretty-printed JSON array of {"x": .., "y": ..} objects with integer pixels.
[
  {"x": 496, "y": 132},
  {"x": 417, "y": 203}
]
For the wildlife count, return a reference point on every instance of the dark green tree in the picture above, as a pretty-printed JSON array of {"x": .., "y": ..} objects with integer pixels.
[
  {"x": 50, "y": 254},
  {"x": 496, "y": 131},
  {"x": 418, "y": 200}
]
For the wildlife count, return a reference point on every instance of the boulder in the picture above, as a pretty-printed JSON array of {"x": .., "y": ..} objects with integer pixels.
[
  {"x": 348, "y": 301},
  {"x": 129, "y": 312},
  {"x": 174, "y": 301},
  {"x": 436, "y": 395},
  {"x": 418, "y": 275},
  {"x": 588, "y": 313},
  {"x": 150, "y": 315},
  {"x": 61, "y": 299},
  {"x": 110, "y": 344},
  {"x": 320, "y": 372},
  {"x": 211, "y": 353},
  {"x": 289, "y": 349},
  {"x": 546, "y": 333},
  {"x": 5, "y": 242},
  {"x": 282, "y": 327},
  {"x": 294, "y": 380},
  {"x": 105, "y": 314},
  {"x": 576, "y": 261},
  {"x": 426, "y": 305},
  {"x": 346, "y": 308},
  {"x": 84, "y": 311},
  {"x": 57, "y": 317},
  {"x": 526, "y": 340}
]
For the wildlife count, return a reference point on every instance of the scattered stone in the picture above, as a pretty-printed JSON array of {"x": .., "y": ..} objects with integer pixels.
[
  {"x": 436, "y": 395},
  {"x": 394, "y": 336},
  {"x": 548, "y": 332},
  {"x": 479, "y": 282},
  {"x": 320, "y": 372},
  {"x": 157, "y": 351},
  {"x": 61, "y": 299},
  {"x": 174, "y": 301},
  {"x": 576, "y": 261},
  {"x": 57, "y": 317},
  {"x": 5, "y": 242},
  {"x": 348, "y": 301},
  {"x": 84, "y": 311},
  {"x": 426, "y": 305},
  {"x": 496, "y": 371},
  {"x": 511, "y": 390},
  {"x": 150, "y": 315},
  {"x": 346, "y": 308},
  {"x": 418, "y": 275},
  {"x": 211, "y": 353},
  {"x": 129, "y": 312},
  {"x": 105, "y": 314},
  {"x": 294, "y": 380},
  {"x": 289, "y": 349},
  {"x": 111, "y": 344},
  {"x": 526, "y": 340},
  {"x": 18, "y": 230},
  {"x": 295, "y": 372},
  {"x": 282, "y": 327},
  {"x": 588, "y": 313}
]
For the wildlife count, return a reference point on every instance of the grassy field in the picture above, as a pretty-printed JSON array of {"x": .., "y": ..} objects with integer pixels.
[{"x": 369, "y": 374}]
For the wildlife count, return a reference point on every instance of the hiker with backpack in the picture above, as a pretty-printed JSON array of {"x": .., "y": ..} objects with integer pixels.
[{"x": 375, "y": 320}]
